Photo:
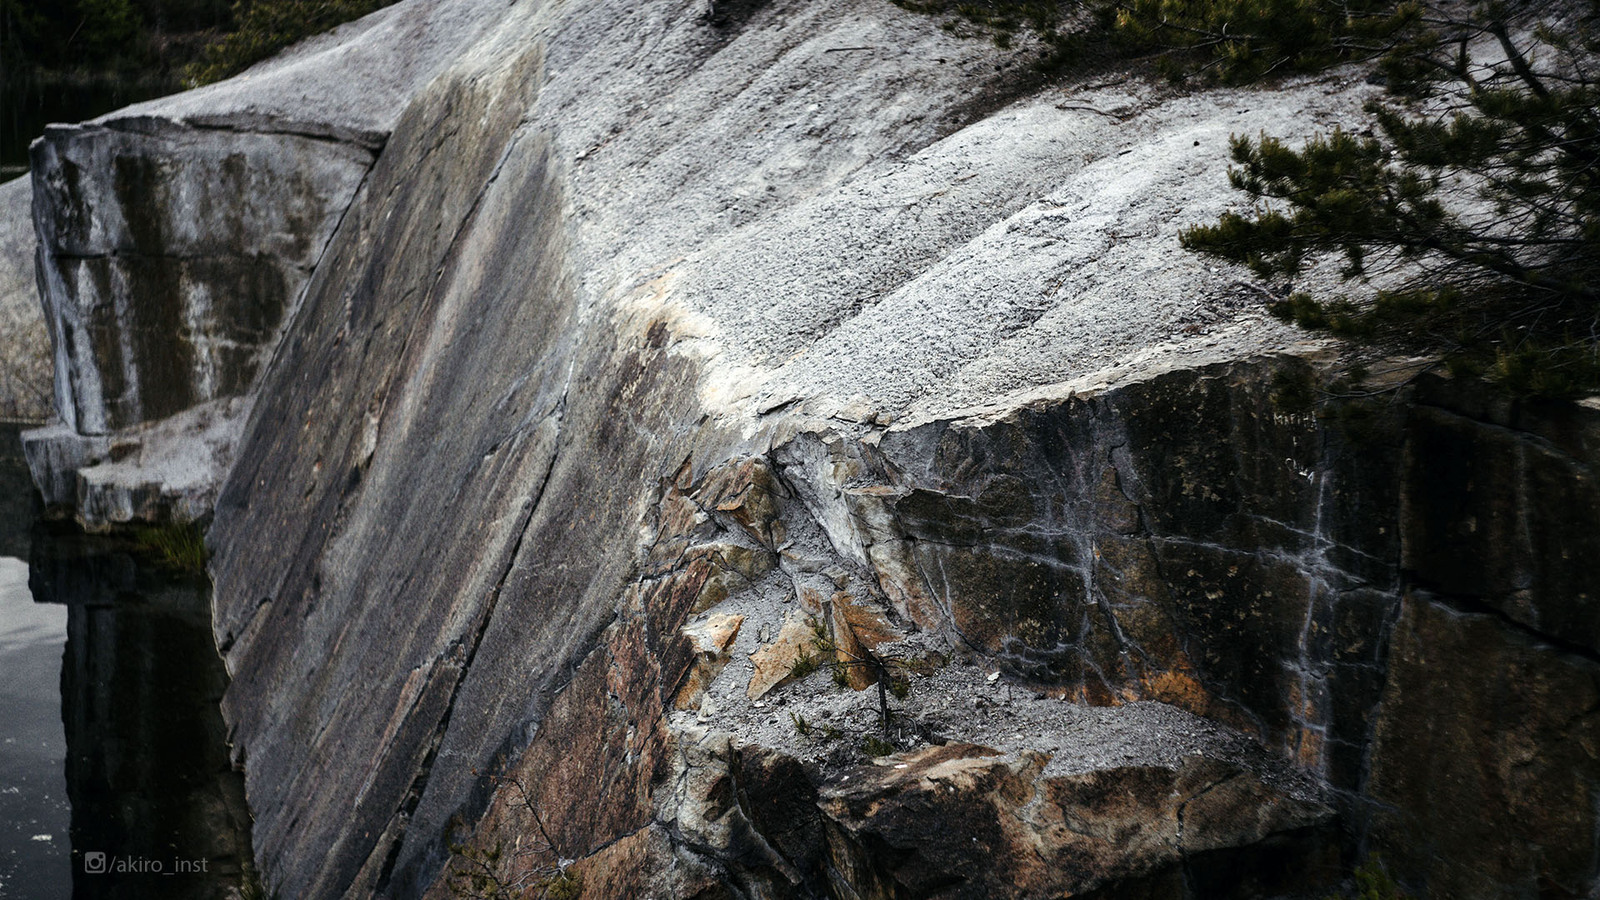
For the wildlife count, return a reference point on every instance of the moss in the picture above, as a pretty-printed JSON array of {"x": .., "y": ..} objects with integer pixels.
[
  {"x": 251, "y": 887},
  {"x": 900, "y": 686},
  {"x": 566, "y": 886},
  {"x": 1372, "y": 882},
  {"x": 179, "y": 546}
]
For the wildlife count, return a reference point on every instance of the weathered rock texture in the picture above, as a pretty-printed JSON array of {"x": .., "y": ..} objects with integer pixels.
[
  {"x": 169, "y": 260},
  {"x": 657, "y": 353},
  {"x": 176, "y": 240},
  {"x": 169, "y": 257},
  {"x": 24, "y": 342}
]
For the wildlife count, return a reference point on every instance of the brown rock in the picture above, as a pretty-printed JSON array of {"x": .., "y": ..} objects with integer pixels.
[
  {"x": 775, "y": 662},
  {"x": 965, "y": 821},
  {"x": 711, "y": 640},
  {"x": 747, "y": 492},
  {"x": 646, "y": 864},
  {"x": 858, "y": 629}
]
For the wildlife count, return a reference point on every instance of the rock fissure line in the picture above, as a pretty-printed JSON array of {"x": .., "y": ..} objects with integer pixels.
[
  {"x": 1521, "y": 434},
  {"x": 371, "y": 141},
  {"x": 420, "y": 783},
  {"x": 1469, "y": 605}
]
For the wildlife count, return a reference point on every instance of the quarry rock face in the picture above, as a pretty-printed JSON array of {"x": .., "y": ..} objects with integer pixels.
[
  {"x": 170, "y": 257},
  {"x": 721, "y": 457},
  {"x": 174, "y": 243}
]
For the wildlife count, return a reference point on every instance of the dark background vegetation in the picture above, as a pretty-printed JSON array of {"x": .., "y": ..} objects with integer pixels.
[{"x": 67, "y": 60}]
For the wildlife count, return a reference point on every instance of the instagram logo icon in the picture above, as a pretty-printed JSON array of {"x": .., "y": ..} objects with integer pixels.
[{"x": 94, "y": 862}]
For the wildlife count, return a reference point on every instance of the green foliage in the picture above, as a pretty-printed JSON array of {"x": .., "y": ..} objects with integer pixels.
[
  {"x": 95, "y": 35},
  {"x": 179, "y": 546},
  {"x": 1489, "y": 194},
  {"x": 135, "y": 38},
  {"x": 1228, "y": 40},
  {"x": 476, "y": 872},
  {"x": 1244, "y": 40},
  {"x": 807, "y": 663},
  {"x": 807, "y": 729},
  {"x": 876, "y": 746},
  {"x": 565, "y": 886},
  {"x": 251, "y": 887},
  {"x": 534, "y": 870},
  {"x": 1493, "y": 203},
  {"x": 1057, "y": 24},
  {"x": 900, "y": 686},
  {"x": 110, "y": 24},
  {"x": 1372, "y": 882},
  {"x": 825, "y": 653},
  {"x": 268, "y": 26}
]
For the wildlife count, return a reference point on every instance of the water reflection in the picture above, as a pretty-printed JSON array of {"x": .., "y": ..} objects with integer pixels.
[
  {"x": 113, "y": 754},
  {"x": 157, "y": 808},
  {"x": 33, "y": 792}
]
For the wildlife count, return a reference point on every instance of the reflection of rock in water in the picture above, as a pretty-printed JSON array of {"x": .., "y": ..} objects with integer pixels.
[
  {"x": 148, "y": 770},
  {"x": 18, "y": 500}
]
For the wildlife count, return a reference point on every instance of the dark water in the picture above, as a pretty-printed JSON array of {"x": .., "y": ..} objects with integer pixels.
[{"x": 115, "y": 780}]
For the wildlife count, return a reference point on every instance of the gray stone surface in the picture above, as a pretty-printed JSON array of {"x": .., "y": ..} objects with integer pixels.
[
  {"x": 172, "y": 256},
  {"x": 24, "y": 342},
  {"x": 350, "y": 84},
  {"x": 170, "y": 259},
  {"x": 166, "y": 471},
  {"x": 179, "y": 234}
]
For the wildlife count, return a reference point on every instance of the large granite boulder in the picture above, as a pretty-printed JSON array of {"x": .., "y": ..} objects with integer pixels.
[{"x": 663, "y": 364}]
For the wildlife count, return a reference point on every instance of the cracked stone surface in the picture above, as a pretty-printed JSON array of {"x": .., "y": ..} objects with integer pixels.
[{"x": 170, "y": 260}]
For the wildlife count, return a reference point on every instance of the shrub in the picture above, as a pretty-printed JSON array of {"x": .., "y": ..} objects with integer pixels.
[
  {"x": 1243, "y": 40},
  {"x": 1493, "y": 203},
  {"x": 1372, "y": 882},
  {"x": 268, "y": 26},
  {"x": 875, "y": 746},
  {"x": 1228, "y": 40},
  {"x": 1002, "y": 20}
]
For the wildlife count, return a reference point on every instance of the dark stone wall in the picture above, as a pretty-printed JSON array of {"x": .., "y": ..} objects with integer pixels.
[
  {"x": 1396, "y": 590},
  {"x": 170, "y": 255},
  {"x": 147, "y": 765}
]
